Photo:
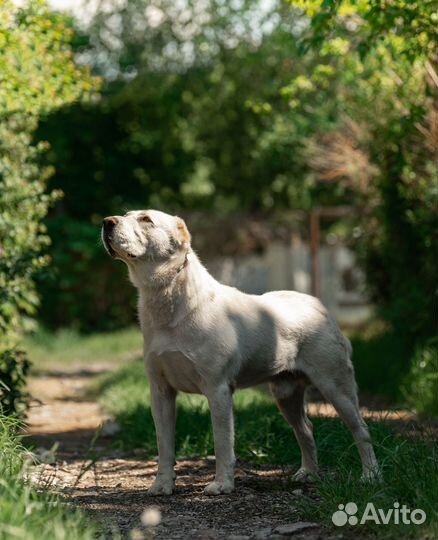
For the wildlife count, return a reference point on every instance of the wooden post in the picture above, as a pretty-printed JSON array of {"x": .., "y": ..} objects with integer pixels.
[{"x": 314, "y": 253}]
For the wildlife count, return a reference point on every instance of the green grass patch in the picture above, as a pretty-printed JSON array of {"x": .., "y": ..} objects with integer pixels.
[
  {"x": 25, "y": 512},
  {"x": 68, "y": 346},
  {"x": 410, "y": 463},
  {"x": 410, "y": 472}
]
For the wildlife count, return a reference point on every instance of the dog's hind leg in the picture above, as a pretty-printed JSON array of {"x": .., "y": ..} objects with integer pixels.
[
  {"x": 289, "y": 395},
  {"x": 342, "y": 394}
]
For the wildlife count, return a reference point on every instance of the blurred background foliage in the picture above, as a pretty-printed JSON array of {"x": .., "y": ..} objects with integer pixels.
[
  {"x": 37, "y": 74},
  {"x": 226, "y": 107}
]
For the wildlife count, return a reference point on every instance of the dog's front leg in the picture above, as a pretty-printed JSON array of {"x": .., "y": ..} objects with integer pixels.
[
  {"x": 163, "y": 412},
  {"x": 220, "y": 400}
]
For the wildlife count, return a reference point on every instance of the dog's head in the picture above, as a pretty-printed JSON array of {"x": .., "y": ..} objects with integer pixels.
[{"x": 145, "y": 235}]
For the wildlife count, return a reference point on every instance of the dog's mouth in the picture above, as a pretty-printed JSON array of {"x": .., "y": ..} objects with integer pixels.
[
  {"x": 106, "y": 239},
  {"x": 108, "y": 248}
]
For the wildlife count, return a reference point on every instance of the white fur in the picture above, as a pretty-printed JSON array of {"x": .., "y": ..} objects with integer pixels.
[{"x": 204, "y": 337}]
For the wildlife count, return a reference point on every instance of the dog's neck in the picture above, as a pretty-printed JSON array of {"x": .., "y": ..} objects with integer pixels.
[{"x": 169, "y": 291}]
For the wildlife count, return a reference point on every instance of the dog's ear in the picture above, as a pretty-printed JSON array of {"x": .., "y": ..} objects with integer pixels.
[{"x": 183, "y": 233}]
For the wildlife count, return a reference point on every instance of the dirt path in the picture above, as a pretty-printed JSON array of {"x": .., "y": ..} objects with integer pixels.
[{"x": 111, "y": 485}]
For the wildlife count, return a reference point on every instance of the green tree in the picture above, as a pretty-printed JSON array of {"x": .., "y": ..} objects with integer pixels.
[
  {"x": 380, "y": 144},
  {"x": 37, "y": 74},
  {"x": 212, "y": 106},
  {"x": 177, "y": 131}
]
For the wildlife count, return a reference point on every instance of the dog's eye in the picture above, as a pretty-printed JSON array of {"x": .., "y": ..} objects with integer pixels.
[{"x": 145, "y": 219}]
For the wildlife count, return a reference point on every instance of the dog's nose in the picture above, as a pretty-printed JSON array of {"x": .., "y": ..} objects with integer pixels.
[{"x": 110, "y": 222}]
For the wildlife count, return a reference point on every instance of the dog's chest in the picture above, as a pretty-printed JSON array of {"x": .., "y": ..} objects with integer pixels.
[{"x": 180, "y": 372}]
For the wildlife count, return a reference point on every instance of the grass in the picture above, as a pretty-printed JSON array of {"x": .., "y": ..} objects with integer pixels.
[
  {"x": 25, "y": 512},
  {"x": 410, "y": 470},
  {"x": 409, "y": 462},
  {"x": 68, "y": 346}
]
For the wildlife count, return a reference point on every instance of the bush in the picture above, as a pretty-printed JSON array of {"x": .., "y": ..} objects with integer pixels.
[
  {"x": 14, "y": 367},
  {"x": 382, "y": 144},
  {"x": 38, "y": 74},
  {"x": 22, "y": 206},
  {"x": 421, "y": 385},
  {"x": 399, "y": 239}
]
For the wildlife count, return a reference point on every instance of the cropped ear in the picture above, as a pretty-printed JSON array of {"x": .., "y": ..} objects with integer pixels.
[{"x": 183, "y": 233}]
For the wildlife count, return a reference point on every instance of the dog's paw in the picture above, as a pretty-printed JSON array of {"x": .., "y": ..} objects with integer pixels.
[
  {"x": 303, "y": 475},
  {"x": 218, "y": 488},
  {"x": 161, "y": 487}
]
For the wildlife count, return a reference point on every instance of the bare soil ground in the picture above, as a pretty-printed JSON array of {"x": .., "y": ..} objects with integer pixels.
[{"x": 80, "y": 462}]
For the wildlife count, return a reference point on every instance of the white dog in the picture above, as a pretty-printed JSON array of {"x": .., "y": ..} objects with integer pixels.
[{"x": 204, "y": 337}]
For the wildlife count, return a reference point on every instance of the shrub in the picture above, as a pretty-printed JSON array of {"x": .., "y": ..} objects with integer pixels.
[
  {"x": 421, "y": 385},
  {"x": 14, "y": 366},
  {"x": 38, "y": 74},
  {"x": 381, "y": 143}
]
